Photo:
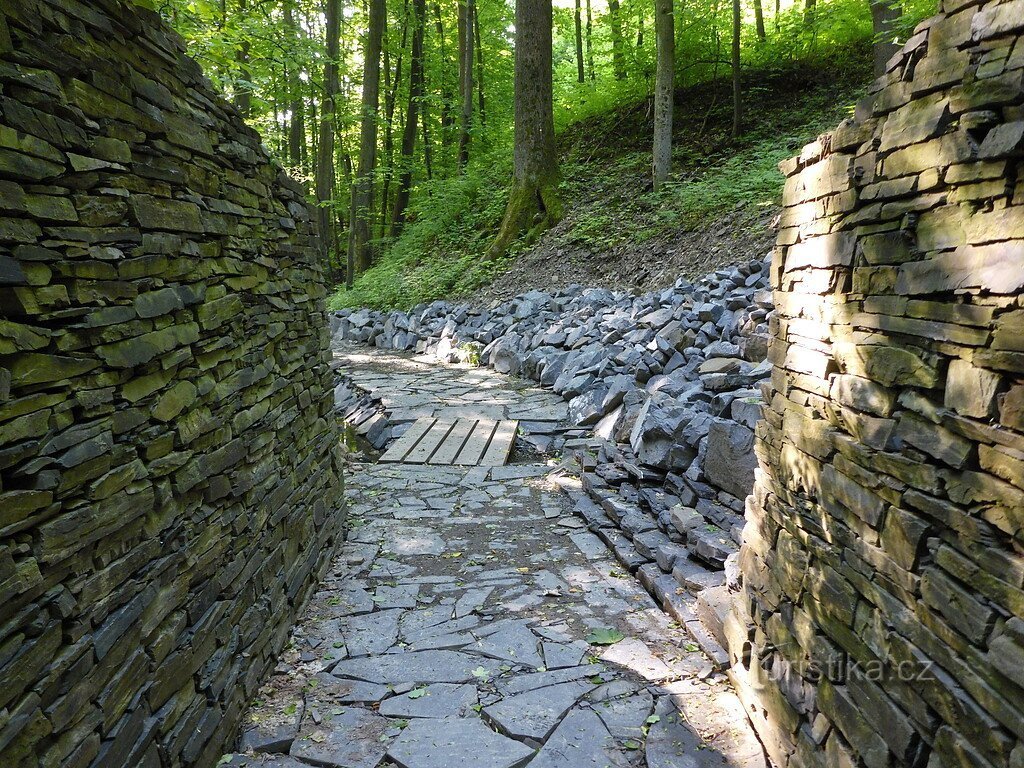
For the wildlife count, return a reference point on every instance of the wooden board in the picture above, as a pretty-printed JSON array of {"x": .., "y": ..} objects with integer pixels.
[
  {"x": 452, "y": 444},
  {"x": 430, "y": 442},
  {"x": 462, "y": 442},
  {"x": 408, "y": 441},
  {"x": 473, "y": 451},
  {"x": 501, "y": 444}
]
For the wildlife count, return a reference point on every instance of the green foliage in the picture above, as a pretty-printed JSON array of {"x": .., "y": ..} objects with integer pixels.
[{"x": 439, "y": 252}]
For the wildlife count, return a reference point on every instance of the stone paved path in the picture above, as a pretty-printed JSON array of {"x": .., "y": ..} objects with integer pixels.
[{"x": 461, "y": 623}]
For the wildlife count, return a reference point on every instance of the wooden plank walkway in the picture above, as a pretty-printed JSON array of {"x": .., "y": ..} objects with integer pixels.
[{"x": 463, "y": 442}]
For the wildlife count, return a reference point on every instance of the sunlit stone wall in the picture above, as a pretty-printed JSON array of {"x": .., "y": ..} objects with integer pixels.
[
  {"x": 169, "y": 487},
  {"x": 881, "y": 621}
]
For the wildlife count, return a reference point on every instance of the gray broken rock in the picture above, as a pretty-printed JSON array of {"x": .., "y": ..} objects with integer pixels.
[
  {"x": 456, "y": 743},
  {"x": 534, "y": 714},
  {"x": 438, "y": 700},
  {"x": 415, "y": 667},
  {"x": 352, "y": 739}
]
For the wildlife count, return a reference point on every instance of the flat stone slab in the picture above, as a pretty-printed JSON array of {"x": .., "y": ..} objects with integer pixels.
[
  {"x": 456, "y": 743},
  {"x": 534, "y": 714},
  {"x": 415, "y": 667},
  {"x": 351, "y": 739},
  {"x": 517, "y": 645},
  {"x": 438, "y": 700},
  {"x": 580, "y": 741}
]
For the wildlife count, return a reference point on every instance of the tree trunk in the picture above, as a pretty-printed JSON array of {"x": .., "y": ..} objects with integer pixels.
[
  {"x": 391, "y": 85},
  {"x": 325, "y": 144},
  {"x": 243, "y": 92},
  {"x": 533, "y": 203},
  {"x": 446, "y": 97},
  {"x": 297, "y": 127},
  {"x": 640, "y": 27},
  {"x": 809, "y": 8},
  {"x": 465, "y": 78},
  {"x": 411, "y": 116},
  {"x": 580, "y": 74},
  {"x": 590, "y": 43},
  {"x": 428, "y": 159},
  {"x": 759, "y": 20},
  {"x": 362, "y": 188},
  {"x": 664, "y": 89},
  {"x": 479, "y": 66},
  {"x": 736, "y": 96},
  {"x": 884, "y": 15},
  {"x": 618, "y": 56}
]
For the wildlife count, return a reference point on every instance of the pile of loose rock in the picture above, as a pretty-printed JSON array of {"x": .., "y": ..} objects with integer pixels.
[
  {"x": 669, "y": 383},
  {"x": 362, "y": 412}
]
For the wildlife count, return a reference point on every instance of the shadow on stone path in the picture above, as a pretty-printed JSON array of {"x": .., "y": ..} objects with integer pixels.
[{"x": 453, "y": 627}]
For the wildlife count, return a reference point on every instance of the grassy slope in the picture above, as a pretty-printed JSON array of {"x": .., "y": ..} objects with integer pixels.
[{"x": 610, "y": 207}]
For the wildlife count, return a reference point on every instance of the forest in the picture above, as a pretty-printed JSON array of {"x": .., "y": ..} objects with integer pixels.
[{"x": 439, "y": 139}]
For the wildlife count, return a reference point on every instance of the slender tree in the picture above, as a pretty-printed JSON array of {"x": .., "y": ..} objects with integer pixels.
[
  {"x": 411, "y": 115},
  {"x": 590, "y": 43},
  {"x": 737, "y": 106},
  {"x": 446, "y": 96},
  {"x": 465, "y": 78},
  {"x": 664, "y": 89},
  {"x": 296, "y": 107},
  {"x": 362, "y": 188},
  {"x": 580, "y": 76},
  {"x": 325, "y": 144},
  {"x": 759, "y": 20},
  {"x": 884, "y": 15},
  {"x": 243, "y": 87},
  {"x": 478, "y": 46},
  {"x": 618, "y": 55},
  {"x": 810, "y": 6},
  {"x": 533, "y": 203},
  {"x": 391, "y": 86}
]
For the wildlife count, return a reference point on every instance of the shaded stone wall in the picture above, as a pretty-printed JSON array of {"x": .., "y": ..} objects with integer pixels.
[
  {"x": 882, "y": 617},
  {"x": 170, "y": 488}
]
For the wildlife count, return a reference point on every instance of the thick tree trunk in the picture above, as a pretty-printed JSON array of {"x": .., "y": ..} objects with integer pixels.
[
  {"x": 618, "y": 55},
  {"x": 465, "y": 78},
  {"x": 737, "y": 105},
  {"x": 664, "y": 88},
  {"x": 759, "y": 20},
  {"x": 580, "y": 75},
  {"x": 362, "y": 191},
  {"x": 590, "y": 43},
  {"x": 533, "y": 203},
  {"x": 325, "y": 144},
  {"x": 411, "y": 116},
  {"x": 884, "y": 15}
]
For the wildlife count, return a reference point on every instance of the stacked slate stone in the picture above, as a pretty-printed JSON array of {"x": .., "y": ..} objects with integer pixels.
[
  {"x": 362, "y": 412},
  {"x": 882, "y": 618},
  {"x": 169, "y": 490},
  {"x": 668, "y": 379}
]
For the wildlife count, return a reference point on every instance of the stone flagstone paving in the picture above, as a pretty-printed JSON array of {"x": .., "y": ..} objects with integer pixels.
[{"x": 452, "y": 630}]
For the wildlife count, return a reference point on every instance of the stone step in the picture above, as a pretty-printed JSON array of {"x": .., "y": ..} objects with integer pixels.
[{"x": 712, "y": 608}]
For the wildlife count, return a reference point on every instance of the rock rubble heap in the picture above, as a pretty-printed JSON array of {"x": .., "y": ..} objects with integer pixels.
[{"x": 669, "y": 380}]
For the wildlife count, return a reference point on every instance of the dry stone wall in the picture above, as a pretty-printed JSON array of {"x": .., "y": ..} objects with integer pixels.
[
  {"x": 170, "y": 484},
  {"x": 882, "y": 617}
]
